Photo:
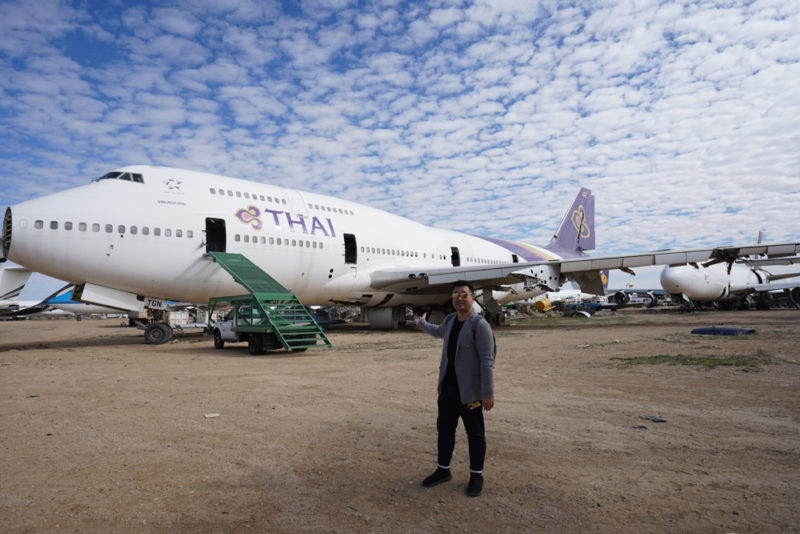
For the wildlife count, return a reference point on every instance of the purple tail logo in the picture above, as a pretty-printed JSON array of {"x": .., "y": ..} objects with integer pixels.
[
  {"x": 575, "y": 234},
  {"x": 578, "y": 218}
]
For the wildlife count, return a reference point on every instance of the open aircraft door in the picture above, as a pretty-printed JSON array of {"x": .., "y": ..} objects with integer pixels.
[
  {"x": 455, "y": 257},
  {"x": 215, "y": 235}
]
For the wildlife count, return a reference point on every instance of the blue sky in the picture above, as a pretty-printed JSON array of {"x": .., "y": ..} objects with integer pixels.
[{"x": 484, "y": 117}]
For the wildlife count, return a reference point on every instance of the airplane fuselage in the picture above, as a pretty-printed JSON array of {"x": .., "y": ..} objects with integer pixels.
[{"x": 145, "y": 230}]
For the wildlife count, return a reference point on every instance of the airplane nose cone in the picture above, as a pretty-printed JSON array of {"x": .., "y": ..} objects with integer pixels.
[{"x": 671, "y": 280}]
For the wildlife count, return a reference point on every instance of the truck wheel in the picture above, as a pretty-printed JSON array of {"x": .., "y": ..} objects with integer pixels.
[
  {"x": 218, "y": 341},
  {"x": 158, "y": 333},
  {"x": 255, "y": 344}
]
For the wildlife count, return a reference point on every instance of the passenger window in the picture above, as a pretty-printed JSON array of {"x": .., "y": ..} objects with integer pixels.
[
  {"x": 294, "y": 242},
  {"x": 189, "y": 234},
  {"x": 237, "y": 238},
  {"x": 178, "y": 233},
  {"x": 67, "y": 225},
  {"x": 121, "y": 229},
  {"x": 54, "y": 225},
  {"x": 261, "y": 197},
  {"x": 167, "y": 232},
  {"x": 109, "y": 228},
  {"x": 300, "y": 243},
  {"x": 279, "y": 241},
  {"x": 95, "y": 227},
  {"x": 246, "y": 238},
  {"x": 247, "y": 195},
  {"x": 238, "y": 194},
  {"x": 145, "y": 230},
  {"x": 271, "y": 240},
  {"x": 134, "y": 230},
  {"x": 156, "y": 231},
  {"x": 82, "y": 227},
  {"x": 230, "y": 193},
  {"x": 212, "y": 190}
]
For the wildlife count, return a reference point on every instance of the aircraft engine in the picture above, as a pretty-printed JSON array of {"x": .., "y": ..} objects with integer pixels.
[{"x": 621, "y": 298}]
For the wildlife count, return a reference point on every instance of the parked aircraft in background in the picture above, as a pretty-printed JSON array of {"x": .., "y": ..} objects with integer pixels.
[
  {"x": 143, "y": 232},
  {"x": 636, "y": 297},
  {"x": 12, "y": 280},
  {"x": 15, "y": 278},
  {"x": 742, "y": 283},
  {"x": 65, "y": 303}
]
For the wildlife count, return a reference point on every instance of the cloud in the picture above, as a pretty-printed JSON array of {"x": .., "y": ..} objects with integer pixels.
[{"x": 653, "y": 106}]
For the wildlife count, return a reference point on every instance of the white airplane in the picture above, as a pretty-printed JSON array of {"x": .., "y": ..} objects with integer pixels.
[
  {"x": 143, "y": 232},
  {"x": 12, "y": 281},
  {"x": 742, "y": 283},
  {"x": 64, "y": 302}
]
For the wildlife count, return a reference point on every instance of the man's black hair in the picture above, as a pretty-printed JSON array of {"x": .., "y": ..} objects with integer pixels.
[{"x": 462, "y": 283}]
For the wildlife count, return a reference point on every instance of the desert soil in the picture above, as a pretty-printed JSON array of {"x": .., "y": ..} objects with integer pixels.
[{"x": 102, "y": 433}]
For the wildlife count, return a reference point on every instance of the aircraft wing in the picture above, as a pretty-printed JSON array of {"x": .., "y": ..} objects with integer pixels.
[
  {"x": 760, "y": 288},
  {"x": 774, "y": 261},
  {"x": 549, "y": 274}
]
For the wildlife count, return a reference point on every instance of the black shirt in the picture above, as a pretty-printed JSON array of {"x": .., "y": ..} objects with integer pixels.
[{"x": 450, "y": 379}]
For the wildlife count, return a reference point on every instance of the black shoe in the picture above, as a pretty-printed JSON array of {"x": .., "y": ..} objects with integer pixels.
[
  {"x": 438, "y": 476},
  {"x": 475, "y": 486}
]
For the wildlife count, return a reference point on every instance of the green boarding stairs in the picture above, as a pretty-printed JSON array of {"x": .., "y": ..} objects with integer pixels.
[{"x": 282, "y": 312}]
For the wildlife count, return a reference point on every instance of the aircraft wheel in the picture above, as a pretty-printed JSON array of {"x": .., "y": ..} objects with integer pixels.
[
  {"x": 218, "y": 341},
  {"x": 158, "y": 333},
  {"x": 255, "y": 344}
]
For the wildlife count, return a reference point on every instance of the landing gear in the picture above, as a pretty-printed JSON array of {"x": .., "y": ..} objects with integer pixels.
[
  {"x": 157, "y": 333},
  {"x": 496, "y": 319}
]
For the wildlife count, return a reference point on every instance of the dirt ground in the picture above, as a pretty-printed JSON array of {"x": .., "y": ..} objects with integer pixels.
[{"x": 101, "y": 433}]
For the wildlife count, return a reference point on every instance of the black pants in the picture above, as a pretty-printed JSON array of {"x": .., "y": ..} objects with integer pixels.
[{"x": 450, "y": 409}]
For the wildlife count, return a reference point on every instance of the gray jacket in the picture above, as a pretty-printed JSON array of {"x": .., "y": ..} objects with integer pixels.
[{"x": 474, "y": 355}]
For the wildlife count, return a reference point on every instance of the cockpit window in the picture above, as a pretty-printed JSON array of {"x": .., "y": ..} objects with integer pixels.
[{"x": 127, "y": 176}]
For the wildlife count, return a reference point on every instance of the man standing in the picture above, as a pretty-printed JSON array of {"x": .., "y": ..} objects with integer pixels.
[{"x": 466, "y": 385}]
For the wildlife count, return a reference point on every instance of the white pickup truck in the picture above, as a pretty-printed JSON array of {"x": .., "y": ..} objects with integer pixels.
[{"x": 229, "y": 330}]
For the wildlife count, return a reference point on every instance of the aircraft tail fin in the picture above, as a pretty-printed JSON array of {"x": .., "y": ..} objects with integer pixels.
[
  {"x": 12, "y": 280},
  {"x": 575, "y": 234}
]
